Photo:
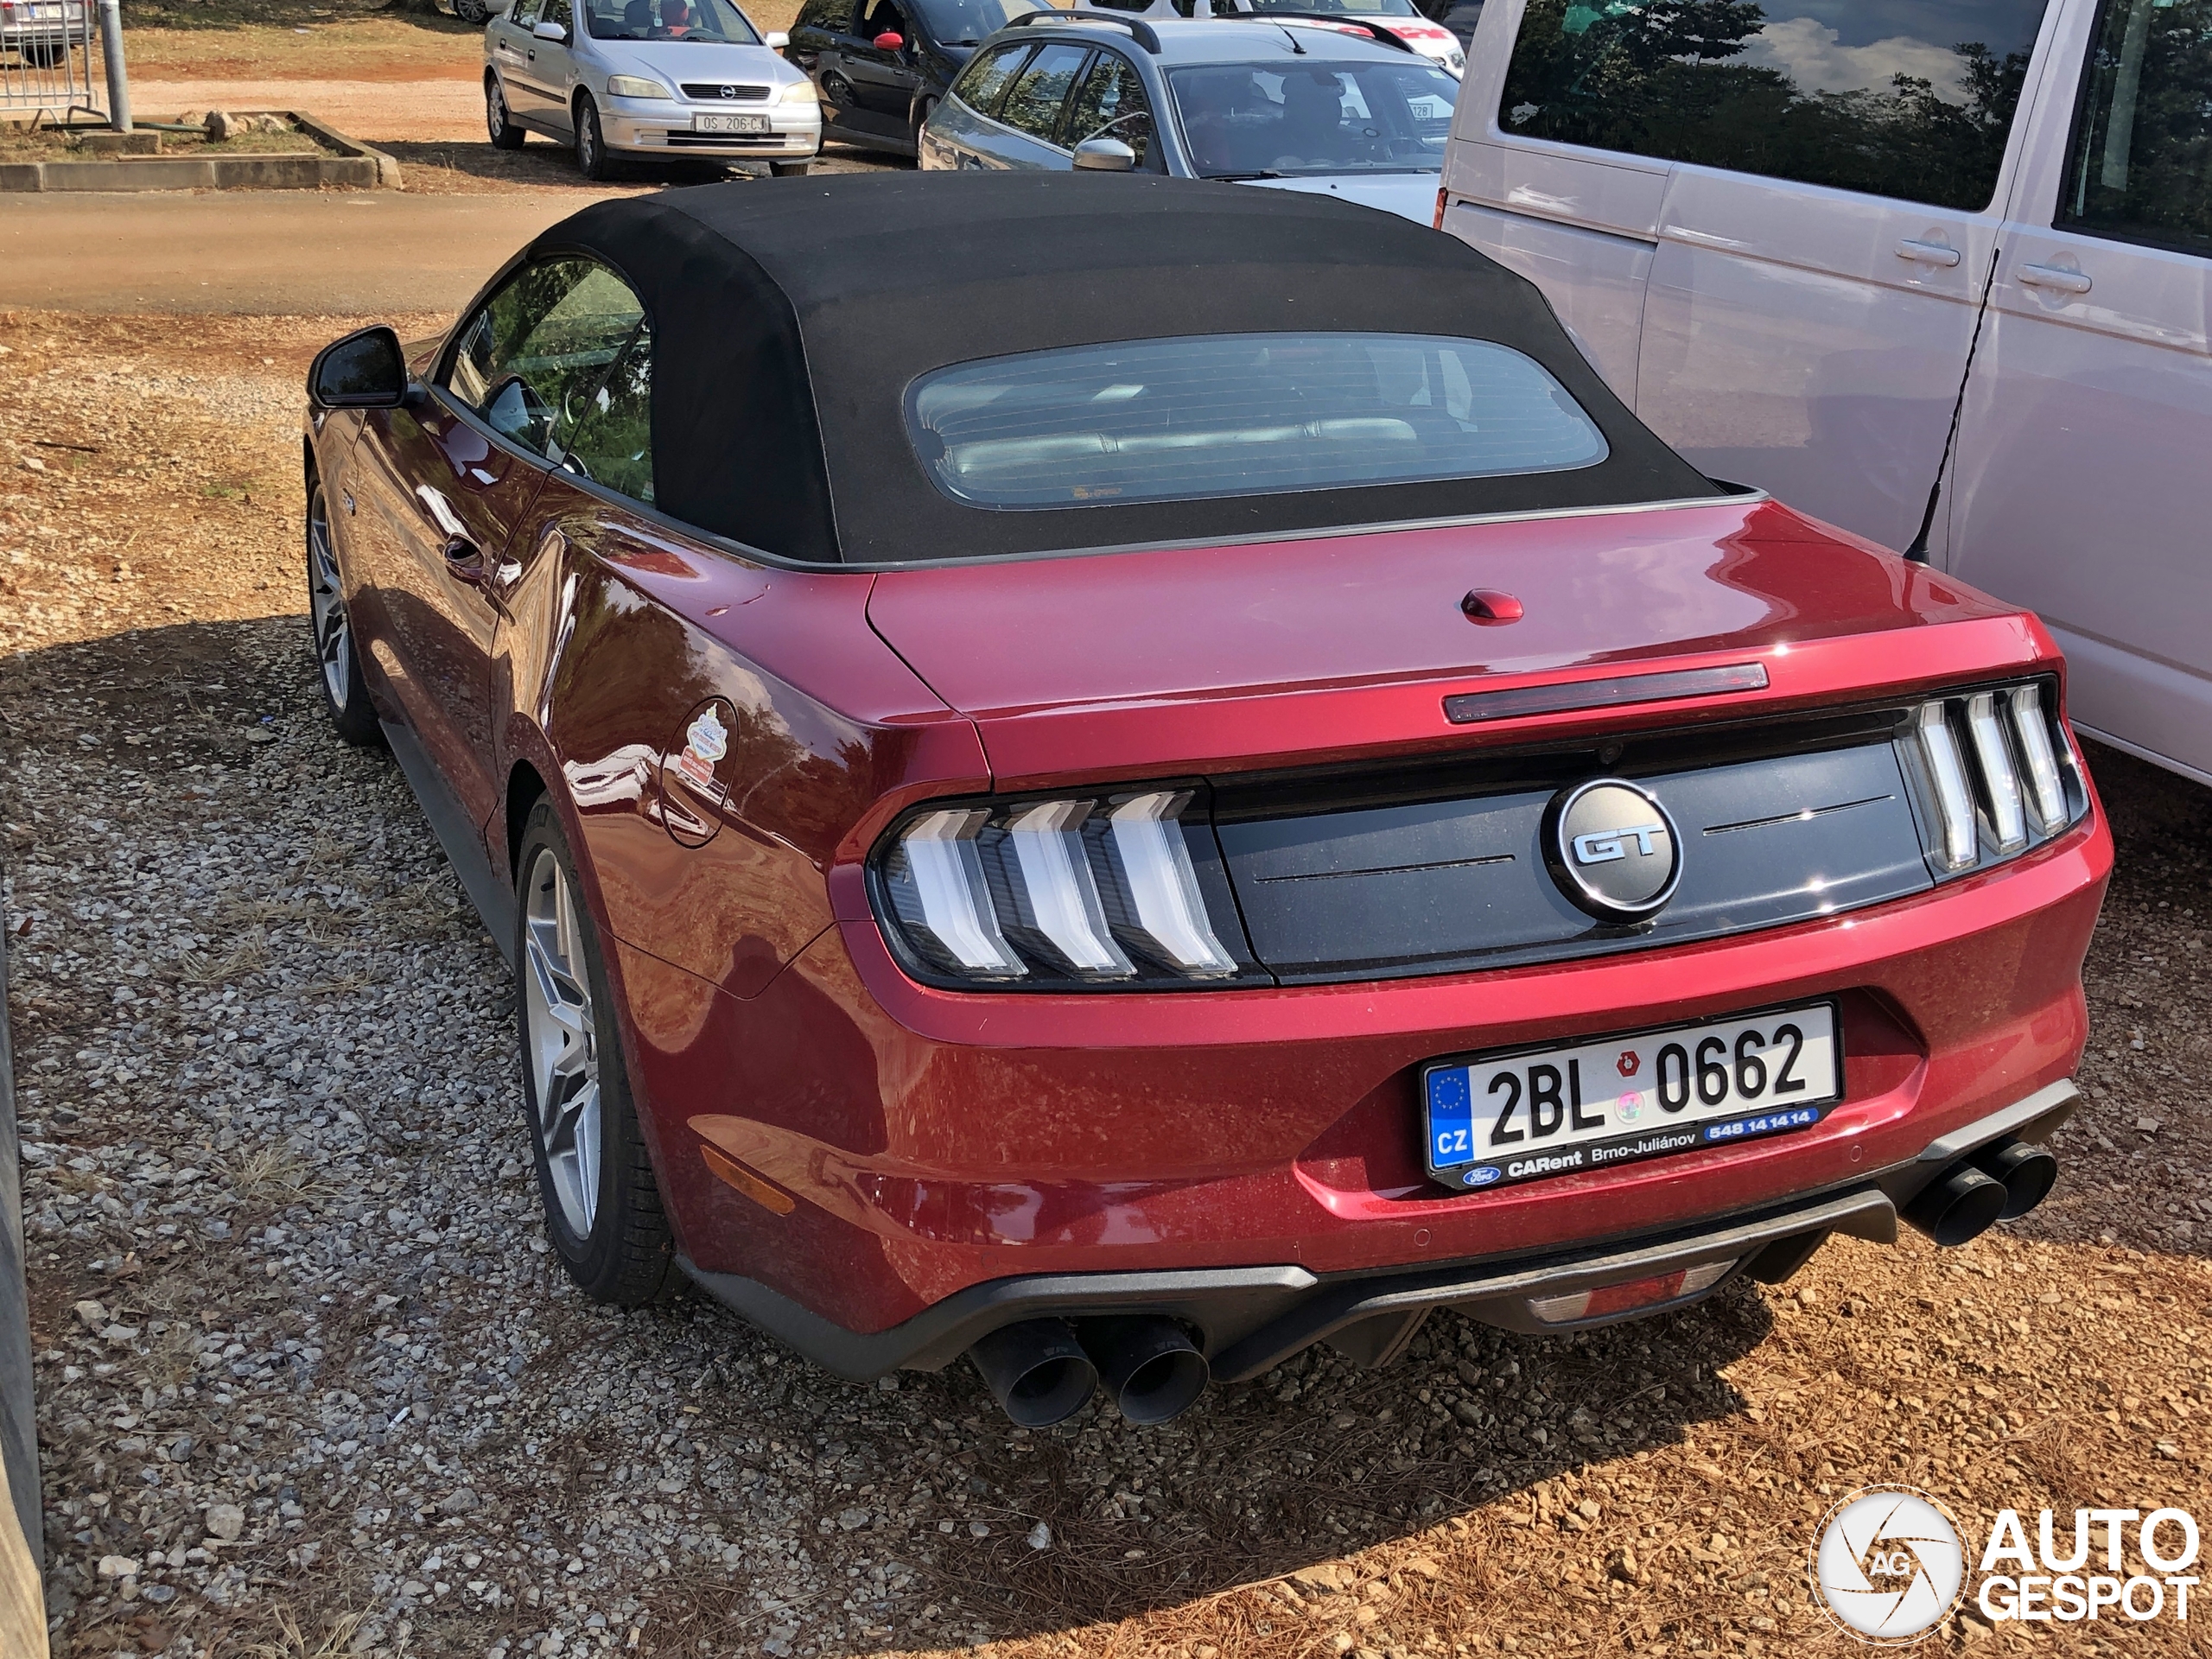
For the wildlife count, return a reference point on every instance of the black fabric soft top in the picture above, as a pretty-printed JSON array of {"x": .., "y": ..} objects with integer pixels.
[{"x": 790, "y": 318}]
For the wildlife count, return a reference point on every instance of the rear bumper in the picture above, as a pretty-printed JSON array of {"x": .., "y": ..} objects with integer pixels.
[
  {"x": 919, "y": 1145},
  {"x": 1252, "y": 1318}
]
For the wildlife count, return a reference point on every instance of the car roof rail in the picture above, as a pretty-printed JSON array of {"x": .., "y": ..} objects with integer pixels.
[
  {"x": 1381, "y": 32},
  {"x": 1143, "y": 31}
]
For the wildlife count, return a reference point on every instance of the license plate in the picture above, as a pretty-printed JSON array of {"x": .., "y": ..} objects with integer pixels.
[
  {"x": 1571, "y": 1109},
  {"x": 729, "y": 123}
]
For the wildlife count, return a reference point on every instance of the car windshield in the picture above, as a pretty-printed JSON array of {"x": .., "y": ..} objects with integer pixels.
[
  {"x": 1349, "y": 8},
  {"x": 964, "y": 23},
  {"x": 1215, "y": 414},
  {"x": 713, "y": 22},
  {"x": 1269, "y": 121}
]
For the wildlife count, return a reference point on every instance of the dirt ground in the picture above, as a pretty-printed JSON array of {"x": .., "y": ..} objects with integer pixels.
[{"x": 1648, "y": 1489}]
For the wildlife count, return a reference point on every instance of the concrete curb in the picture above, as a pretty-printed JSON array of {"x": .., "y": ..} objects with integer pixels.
[
  {"x": 22, "y": 1532},
  {"x": 356, "y": 164}
]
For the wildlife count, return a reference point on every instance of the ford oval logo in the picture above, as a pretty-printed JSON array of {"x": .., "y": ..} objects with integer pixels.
[{"x": 1482, "y": 1175}]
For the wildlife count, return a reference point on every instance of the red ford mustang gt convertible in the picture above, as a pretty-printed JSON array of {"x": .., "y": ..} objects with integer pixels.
[{"x": 1121, "y": 777}]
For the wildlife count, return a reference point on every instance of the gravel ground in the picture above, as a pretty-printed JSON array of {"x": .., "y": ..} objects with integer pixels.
[{"x": 310, "y": 1383}]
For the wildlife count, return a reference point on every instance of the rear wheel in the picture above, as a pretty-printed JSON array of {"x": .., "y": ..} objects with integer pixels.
[
  {"x": 603, "y": 1213},
  {"x": 43, "y": 55},
  {"x": 591, "y": 144},
  {"x": 342, "y": 690},
  {"x": 505, "y": 135},
  {"x": 790, "y": 169},
  {"x": 472, "y": 11}
]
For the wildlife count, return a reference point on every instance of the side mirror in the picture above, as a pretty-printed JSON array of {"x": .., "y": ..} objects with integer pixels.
[
  {"x": 776, "y": 39},
  {"x": 547, "y": 29},
  {"x": 1105, "y": 155},
  {"x": 890, "y": 41},
  {"x": 365, "y": 370}
]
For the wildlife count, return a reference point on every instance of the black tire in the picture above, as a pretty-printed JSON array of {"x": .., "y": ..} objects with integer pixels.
[
  {"x": 505, "y": 135},
  {"x": 625, "y": 1254},
  {"x": 922, "y": 114},
  {"x": 337, "y": 656},
  {"x": 591, "y": 145},
  {"x": 790, "y": 169}
]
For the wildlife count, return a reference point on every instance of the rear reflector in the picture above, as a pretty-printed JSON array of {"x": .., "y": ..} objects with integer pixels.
[{"x": 1655, "y": 1291}]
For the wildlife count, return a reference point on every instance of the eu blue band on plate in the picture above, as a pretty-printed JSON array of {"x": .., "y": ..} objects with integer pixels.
[{"x": 1451, "y": 1118}]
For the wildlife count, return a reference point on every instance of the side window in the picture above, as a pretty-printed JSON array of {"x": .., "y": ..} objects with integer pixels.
[
  {"x": 1910, "y": 98},
  {"x": 984, "y": 80},
  {"x": 529, "y": 361},
  {"x": 614, "y": 440},
  {"x": 2142, "y": 165},
  {"x": 524, "y": 14},
  {"x": 557, "y": 11},
  {"x": 1112, "y": 103},
  {"x": 1034, "y": 103},
  {"x": 834, "y": 16}
]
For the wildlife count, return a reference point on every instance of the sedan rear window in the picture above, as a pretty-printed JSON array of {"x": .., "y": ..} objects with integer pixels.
[{"x": 1220, "y": 415}]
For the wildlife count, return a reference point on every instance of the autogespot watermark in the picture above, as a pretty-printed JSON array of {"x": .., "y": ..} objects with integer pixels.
[{"x": 1890, "y": 1564}]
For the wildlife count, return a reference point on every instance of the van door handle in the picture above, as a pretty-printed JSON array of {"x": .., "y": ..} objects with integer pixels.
[
  {"x": 2057, "y": 277},
  {"x": 1927, "y": 253}
]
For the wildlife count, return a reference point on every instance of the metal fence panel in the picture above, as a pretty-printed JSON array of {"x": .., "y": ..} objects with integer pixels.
[{"x": 50, "y": 60}]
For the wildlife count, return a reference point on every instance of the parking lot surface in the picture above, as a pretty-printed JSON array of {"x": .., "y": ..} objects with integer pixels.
[{"x": 310, "y": 1382}]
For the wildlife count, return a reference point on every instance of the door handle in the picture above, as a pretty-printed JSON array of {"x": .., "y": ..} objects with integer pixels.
[
  {"x": 2056, "y": 277},
  {"x": 1927, "y": 253},
  {"x": 531, "y": 55},
  {"x": 464, "y": 559}
]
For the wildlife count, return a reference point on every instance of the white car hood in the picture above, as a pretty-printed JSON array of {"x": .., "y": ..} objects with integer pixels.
[
  {"x": 699, "y": 62},
  {"x": 1410, "y": 196}
]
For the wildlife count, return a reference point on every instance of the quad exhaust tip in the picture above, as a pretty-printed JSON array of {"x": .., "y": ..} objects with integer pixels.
[
  {"x": 1150, "y": 1366},
  {"x": 1037, "y": 1371},
  {"x": 1041, "y": 1372},
  {"x": 2001, "y": 1182}
]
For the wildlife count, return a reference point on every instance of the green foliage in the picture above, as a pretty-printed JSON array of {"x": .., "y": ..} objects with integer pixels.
[{"x": 2144, "y": 167}]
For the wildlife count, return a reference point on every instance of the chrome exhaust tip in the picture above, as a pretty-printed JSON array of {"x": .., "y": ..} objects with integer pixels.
[
  {"x": 1958, "y": 1205},
  {"x": 2027, "y": 1171},
  {"x": 1149, "y": 1367},
  {"x": 1037, "y": 1371}
]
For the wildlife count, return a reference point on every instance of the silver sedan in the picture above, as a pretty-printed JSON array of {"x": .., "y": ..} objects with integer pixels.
[{"x": 641, "y": 79}]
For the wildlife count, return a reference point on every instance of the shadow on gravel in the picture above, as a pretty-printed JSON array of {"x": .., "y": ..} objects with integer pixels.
[{"x": 539, "y": 163}]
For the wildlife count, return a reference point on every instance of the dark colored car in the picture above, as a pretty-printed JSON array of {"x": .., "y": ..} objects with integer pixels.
[
  {"x": 881, "y": 65},
  {"x": 1123, "y": 775}
]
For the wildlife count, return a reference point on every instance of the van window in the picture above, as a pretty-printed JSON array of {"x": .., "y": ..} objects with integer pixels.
[
  {"x": 1908, "y": 98},
  {"x": 2142, "y": 164}
]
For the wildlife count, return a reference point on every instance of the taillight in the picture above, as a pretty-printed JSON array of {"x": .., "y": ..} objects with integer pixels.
[
  {"x": 2023, "y": 783},
  {"x": 1077, "y": 890},
  {"x": 1443, "y": 196}
]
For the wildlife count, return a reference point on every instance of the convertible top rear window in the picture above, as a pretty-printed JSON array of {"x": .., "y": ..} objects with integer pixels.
[{"x": 1184, "y": 418}]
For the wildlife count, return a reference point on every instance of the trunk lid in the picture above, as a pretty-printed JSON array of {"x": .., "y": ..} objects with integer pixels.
[{"x": 1197, "y": 659}]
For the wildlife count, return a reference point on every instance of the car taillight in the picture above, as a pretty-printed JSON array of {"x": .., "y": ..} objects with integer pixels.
[
  {"x": 1088, "y": 890},
  {"x": 1443, "y": 196},
  {"x": 2023, "y": 783}
]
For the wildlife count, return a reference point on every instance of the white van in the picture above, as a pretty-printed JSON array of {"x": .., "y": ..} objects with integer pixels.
[{"x": 1939, "y": 271}]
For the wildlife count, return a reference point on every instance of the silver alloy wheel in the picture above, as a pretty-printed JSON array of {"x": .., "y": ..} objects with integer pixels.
[
  {"x": 495, "y": 110},
  {"x": 560, "y": 1039},
  {"x": 333, "y": 635}
]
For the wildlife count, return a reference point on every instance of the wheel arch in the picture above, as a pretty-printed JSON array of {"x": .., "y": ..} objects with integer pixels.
[{"x": 525, "y": 787}]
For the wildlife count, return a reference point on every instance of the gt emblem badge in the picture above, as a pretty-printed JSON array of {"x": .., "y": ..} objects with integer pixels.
[
  {"x": 1629, "y": 1063},
  {"x": 1613, "y": 851}
]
